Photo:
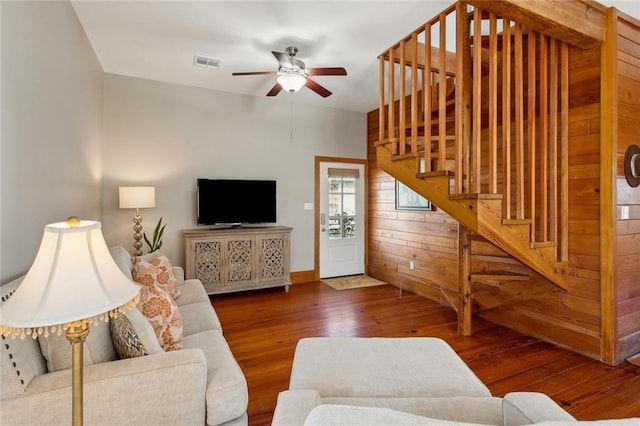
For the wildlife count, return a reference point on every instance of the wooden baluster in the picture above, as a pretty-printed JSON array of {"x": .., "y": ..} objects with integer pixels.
[
  {"x": 564, "y": 152},
  {"x": 442, "y": 96},
  {"x": 414, "y": 94},
  {"x": 426, "y": 91},
  {"x": 476, "y": 162},
  {"x": 506, "y": 118},
  {"x": 493, "y": 104},
  {"x": 402, "y": 97},
  {"x": 462, "y": 52},
  {"x": 391, "y": 107},
  {"x": 553, "y": 141},
  {"x": 544, "y": 138},
  {"x": 381, "y": 79},
  {"x": 519, "y": 119},
  {"x": 531, "y": 130}
]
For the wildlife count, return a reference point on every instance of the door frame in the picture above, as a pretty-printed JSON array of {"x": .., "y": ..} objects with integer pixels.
[{"x": 316, "y": 209}]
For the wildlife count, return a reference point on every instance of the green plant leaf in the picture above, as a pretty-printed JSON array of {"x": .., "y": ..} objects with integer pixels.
[{"x": 156, "y": 239}]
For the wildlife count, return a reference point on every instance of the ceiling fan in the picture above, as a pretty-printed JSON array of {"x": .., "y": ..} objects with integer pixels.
[{"x": 292, "y": 74}]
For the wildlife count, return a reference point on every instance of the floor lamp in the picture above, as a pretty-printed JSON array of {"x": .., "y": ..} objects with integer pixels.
[
  {"x": 72, "y": 283},
  {"x": 137, "y": 197}
]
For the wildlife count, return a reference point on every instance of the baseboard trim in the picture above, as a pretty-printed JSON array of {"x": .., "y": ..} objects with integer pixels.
[{"x": 300, "y": 277}]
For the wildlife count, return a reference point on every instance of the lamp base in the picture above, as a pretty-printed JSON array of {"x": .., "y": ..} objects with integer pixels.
[
  {"x": 76, "y": 333},
  {"x": 137, "y": 235}
]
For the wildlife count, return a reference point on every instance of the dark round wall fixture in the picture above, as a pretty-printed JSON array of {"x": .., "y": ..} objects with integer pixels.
[{"x": 632, "y": 165}]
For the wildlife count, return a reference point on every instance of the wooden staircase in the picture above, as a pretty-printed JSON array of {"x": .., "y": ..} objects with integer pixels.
[{"x": 481, "y": 133}]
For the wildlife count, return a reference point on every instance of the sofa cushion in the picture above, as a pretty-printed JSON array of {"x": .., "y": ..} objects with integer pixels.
[
  {"x": 192, "y": 291},
  {"x": 523, "y": 408},
  {"x": 472, "y": 409},
  {"x": 344, "y": 415},
  {"x": 155, "y": 269},
  {"x": 382, "y": 367},
  {"x": 123, "y": 259},
  {"x": 133, "y": 335},
  {"x": 227, "y": 396},
  {"x": 98, "y": 348},
  {"x": 162, "y": 312},
  {"x": 20, "y": 359},
  {"x": 198, "y": 317}
]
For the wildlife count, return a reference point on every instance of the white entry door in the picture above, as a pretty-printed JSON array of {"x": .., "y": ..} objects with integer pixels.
[{"x": 342, "y": 219}]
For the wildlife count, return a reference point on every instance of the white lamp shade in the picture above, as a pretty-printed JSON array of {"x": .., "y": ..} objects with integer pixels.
[
  {"x": 137, "y": 197},
  {"x": 291, "y": 81},
  {"x": 73, "y": 277}
]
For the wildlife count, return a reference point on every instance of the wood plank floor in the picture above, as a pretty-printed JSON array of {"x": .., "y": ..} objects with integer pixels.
[{"x": 262, "y": 328}]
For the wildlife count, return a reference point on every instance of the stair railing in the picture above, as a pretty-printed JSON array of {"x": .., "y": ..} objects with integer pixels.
[{"x": 494, "y": 114}]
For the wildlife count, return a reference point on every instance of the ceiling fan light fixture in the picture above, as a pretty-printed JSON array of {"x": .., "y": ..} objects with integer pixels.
[{"x": 291, "y": 80}]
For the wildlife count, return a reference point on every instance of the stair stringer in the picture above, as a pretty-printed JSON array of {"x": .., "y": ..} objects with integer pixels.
[{"x": 479, "y": 214}]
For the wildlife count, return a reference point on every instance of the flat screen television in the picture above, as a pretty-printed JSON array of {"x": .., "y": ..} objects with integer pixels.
[{"x": 235, "y": 201}]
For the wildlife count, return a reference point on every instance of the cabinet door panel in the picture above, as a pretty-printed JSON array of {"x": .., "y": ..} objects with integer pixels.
[
  {"x": 209, "y": 262},
  {"x": 272, "y": 258},
  {"x": 240, "y": 254}
]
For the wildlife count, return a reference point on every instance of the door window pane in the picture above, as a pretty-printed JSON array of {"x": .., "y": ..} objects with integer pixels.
[{"x": 342, "y": 208}]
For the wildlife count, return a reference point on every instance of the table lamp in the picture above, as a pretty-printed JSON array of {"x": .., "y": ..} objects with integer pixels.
[
  {"x": 72, "y": 283},
  {"x": 137, "y": 197}
]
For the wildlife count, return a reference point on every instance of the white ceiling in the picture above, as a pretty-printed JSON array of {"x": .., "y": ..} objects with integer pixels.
[{"x": 156, "y": 40}]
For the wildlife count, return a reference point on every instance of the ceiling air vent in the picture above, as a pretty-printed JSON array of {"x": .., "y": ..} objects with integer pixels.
[{"x": 203, "y": 61}]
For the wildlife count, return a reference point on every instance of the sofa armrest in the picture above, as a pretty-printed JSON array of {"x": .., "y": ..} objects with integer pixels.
[
  {"x": 524, "y": 408},
  {"x": 294, "y": 406},
  {"x": 179, "y": 274},
  {"x": 166, "y": 388}
]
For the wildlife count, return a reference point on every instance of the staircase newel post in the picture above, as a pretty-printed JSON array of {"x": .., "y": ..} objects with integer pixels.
[{"x": 464, "y": 281}]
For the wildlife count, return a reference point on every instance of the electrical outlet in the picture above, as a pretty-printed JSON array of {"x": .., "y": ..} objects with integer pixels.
[
  {"x": 624, "y": 212},
  {"x": 412, "y": 265}
]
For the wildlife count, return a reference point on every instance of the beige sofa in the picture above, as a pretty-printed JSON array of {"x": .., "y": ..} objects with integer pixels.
[
  {"x": 400, "y": 381},
  {"x": 200, "y": 384}
]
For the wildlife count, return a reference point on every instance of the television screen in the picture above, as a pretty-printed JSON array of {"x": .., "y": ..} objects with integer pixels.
[{"x": 235, "y": 201}]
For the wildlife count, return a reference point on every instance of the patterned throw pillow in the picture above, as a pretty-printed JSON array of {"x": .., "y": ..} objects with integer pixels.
[
  {"x": 157, "y": 270},
  {"x": 133, "y": 335},
  {"x": 160, "y": 309}
]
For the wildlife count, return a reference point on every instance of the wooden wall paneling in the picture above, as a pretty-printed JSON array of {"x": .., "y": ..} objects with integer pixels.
[{"x": 628, "y": 231}]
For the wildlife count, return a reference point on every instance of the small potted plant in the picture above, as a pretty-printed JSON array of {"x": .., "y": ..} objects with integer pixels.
[{"x": 156, "y": 239}]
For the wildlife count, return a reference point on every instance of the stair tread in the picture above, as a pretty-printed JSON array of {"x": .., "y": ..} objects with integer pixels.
[
  {"x": 541, "y": 244},
  {"x": 475, "y": 196},
  {"x": 516, "y": 221},
  {"x": 514, "y": 292},
  {"x": 451, "y": 297},
  {"x": 499, "y": 275},
  {"x": 423, "y": 175}
]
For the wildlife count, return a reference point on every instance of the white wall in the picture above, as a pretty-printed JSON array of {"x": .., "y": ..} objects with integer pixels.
[
  {"x": 166, "y": 135},
  {"x": 51, "y": 127}
]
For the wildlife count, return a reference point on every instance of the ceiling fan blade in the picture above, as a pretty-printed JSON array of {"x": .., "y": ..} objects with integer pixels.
[
  {"x": 317, "y": 88},
  {"x": 326, "y": 71},
  {"x": 283, "y": 59},
  {"x": 255, "y": 73},
  {"x": 275, "y": 90}
]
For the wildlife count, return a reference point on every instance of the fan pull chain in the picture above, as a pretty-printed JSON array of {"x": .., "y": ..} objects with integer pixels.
[{"x": 291, "y": 119}]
